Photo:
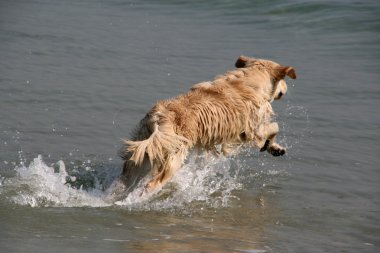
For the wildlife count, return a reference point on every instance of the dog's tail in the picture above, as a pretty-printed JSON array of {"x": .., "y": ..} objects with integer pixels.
[{"x": 161, "y": 143}]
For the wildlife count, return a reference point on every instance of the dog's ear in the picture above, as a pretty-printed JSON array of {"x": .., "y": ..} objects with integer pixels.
[
  {"x": 241, "y": 62},
  {"x": 282, "y": 71}
]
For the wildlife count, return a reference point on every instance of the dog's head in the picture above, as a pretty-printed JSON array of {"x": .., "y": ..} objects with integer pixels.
[{"x": 277, "y": 87}]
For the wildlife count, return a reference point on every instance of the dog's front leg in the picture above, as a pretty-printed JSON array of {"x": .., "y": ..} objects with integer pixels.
[{"x": 269, "y": 133}]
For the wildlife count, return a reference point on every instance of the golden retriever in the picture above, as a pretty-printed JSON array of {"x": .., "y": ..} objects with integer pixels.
[{"x": 233, "y": 108}]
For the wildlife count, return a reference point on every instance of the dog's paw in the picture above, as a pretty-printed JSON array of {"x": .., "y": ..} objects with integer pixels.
[
  {"x": 265, "y": 147},
  {"x": 276, "y": 150},
  {"x": 151, "y": 186}
]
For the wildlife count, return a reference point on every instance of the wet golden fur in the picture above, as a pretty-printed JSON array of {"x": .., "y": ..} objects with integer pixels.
[{"x": 233, "y": 108}]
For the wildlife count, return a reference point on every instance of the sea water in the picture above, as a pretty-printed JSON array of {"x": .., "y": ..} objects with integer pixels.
[{"x": 77, "y": 76}]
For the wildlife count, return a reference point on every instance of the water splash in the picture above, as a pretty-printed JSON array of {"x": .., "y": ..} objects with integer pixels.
[
  {"x": 210, "y": 181},
  {"x": 39, "y": 185},
  {"x": 203, "y": 182}
]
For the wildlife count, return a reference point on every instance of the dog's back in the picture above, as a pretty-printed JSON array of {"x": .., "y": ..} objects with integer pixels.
[{"x": 218, "y": 113}]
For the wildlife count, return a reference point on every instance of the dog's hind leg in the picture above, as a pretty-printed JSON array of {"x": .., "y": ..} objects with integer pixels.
[
  {"x": 128, "y": 180},
  {"x": 269, "y": 133},
  {"x": 166, "y": 172}
]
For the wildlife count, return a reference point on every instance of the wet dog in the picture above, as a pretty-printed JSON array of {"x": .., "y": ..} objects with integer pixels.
[{"x": 233, "y": 108}]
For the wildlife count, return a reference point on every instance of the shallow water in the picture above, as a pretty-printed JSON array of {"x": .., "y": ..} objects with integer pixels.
[{"x": 76, "y": 77}]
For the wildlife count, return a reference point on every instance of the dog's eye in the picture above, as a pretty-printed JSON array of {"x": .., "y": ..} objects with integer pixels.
[{"x": 280, "y": 94}]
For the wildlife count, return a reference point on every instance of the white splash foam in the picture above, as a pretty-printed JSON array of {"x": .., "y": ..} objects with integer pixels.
[
  {"x": 201, "y": 182},
  {"x": 210, "y": 181},
  {"x": 38, "y": 185}
]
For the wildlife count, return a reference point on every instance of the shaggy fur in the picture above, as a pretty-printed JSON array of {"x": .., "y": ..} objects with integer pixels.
[{"x": 233, "y": 108}]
